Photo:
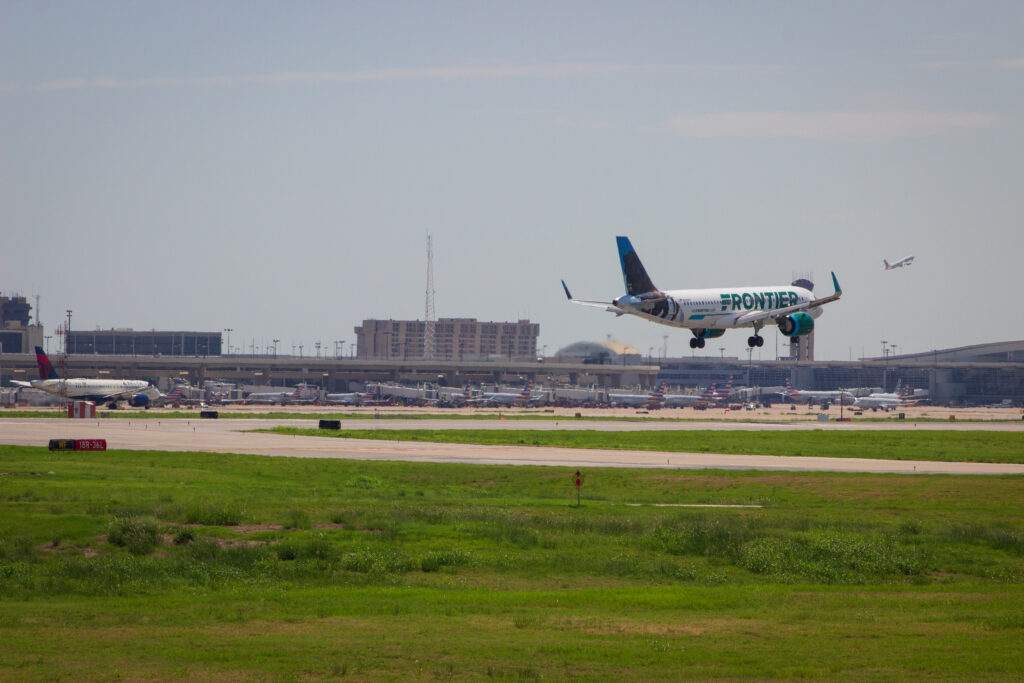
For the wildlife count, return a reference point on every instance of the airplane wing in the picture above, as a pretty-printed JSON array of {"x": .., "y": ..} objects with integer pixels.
[
  {"x": 755, "y": 316},
  {"x": 607, "y": 305},
  {"x": 128, "y": 393},
  {"x": 19, "y": 383}
]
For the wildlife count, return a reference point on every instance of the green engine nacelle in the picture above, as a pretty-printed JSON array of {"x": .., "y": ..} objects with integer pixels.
[
  {"x": 796, "y": 324},
  {"x": 708, "y": 333}
]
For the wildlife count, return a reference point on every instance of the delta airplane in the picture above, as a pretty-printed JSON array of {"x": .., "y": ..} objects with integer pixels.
[
  {"x": 708, "y": 313},
  {"x": 905, "y": 261},
  {"x": 136, "y": 392}
]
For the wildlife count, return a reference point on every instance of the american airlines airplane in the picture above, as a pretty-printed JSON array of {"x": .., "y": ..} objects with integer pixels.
[
  {"x": 136, "y": 392},
  {"x": 708, "y": 313},
  {"x": 798, "y": 395},
  {"x": 905, "y": 261},
  {"x": 499, "y": 398},
  {"x": 654, "y": 399}
]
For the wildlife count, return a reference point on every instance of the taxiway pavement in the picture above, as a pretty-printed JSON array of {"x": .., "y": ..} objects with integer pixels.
[{"x": 235, "y": 436}]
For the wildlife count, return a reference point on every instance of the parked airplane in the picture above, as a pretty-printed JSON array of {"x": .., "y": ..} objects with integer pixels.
[
  {"x": 281, "y": 397},
  {"x": 719, "y": 395},
  {"x": 708, "y": 313},
  {"x": 905, "y": 261},
  {"x": 351, "y": 398},
  {"x": 182, "y": 394},
  {"x": 682, "y": 400},
  {"x": 136, "y": 392},
  {"x": 885, "y": 401},
  {"x": 506, "y": 399},
  {"x": 708, "y": 397},
  {"x": 804, "y": 395},
  {"x": 653, "y": 399}
]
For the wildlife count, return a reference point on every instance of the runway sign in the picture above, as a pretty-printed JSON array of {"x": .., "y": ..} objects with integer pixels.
[{"x": 78, "y": 444}]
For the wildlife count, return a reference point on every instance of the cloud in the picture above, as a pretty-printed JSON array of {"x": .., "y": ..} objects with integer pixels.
[
  {"x": 440, "y": 74},
  {"x": 877, "y": 125}
]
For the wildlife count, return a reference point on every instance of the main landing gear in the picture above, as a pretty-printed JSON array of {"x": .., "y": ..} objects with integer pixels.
[
  {"x": 756, "y": 339},
  {"x": 696, "y": 343}
]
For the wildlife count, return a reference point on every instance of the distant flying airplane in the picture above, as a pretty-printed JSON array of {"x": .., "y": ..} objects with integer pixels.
[
  {"x": 905, "y": 261},
  {"x": 136, "y": 392},
  {"x": 708, "y": 313}
]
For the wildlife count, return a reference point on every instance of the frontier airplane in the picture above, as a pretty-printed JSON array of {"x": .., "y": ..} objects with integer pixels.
[
  {"x": 138, "y": 393},
  {"x": 708, "y": 313}
]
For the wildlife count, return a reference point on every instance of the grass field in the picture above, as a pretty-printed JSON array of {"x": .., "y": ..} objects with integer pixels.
[
  {"x": 129, "y": 565},
  {"x": 945, "y": 446}
]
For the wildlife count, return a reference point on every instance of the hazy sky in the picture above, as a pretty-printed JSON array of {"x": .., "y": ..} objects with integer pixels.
[{"x": 275, "y": 167}]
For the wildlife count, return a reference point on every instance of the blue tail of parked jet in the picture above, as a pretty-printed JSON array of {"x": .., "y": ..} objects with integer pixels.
[
  {"x": 636, "y": 278},
  {"x": 46, "y": 370}
]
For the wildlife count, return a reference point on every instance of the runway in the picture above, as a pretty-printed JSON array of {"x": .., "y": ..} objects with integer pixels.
[{"x": 231, "y": 436}]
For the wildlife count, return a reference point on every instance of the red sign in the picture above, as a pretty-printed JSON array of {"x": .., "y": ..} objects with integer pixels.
[{"x": 90, "y": 444}]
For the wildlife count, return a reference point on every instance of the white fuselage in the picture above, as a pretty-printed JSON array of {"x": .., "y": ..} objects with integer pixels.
[
  {"x": 882, "y": 401},
  {"x": 715, "y": 308},
  {"x": 816, "y": 396},
  {"x": 94, "y": 389}
]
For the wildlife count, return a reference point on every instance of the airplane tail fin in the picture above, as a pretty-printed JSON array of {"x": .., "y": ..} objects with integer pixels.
[
  {"x": 46, "y": 370},
  {"x": 636, "y": 278},
  {"x": 886, "y": 262}
]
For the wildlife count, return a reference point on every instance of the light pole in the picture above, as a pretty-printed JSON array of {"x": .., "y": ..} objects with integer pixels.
[
  {"x": 229, "y": 330},
  {"x": 47, "y": 337},
  {"x": 275, "y": 348},
  {"x": 67, "y": 338},
  {"x": 722, "y": 349}
]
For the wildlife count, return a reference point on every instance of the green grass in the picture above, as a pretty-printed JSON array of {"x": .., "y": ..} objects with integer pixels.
[
  {"x": 944, "y": 445},
  {"x": 133, "y": 565}
]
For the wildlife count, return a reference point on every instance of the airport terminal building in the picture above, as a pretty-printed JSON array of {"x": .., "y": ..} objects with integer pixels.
[{"x": 129, "y": 342}]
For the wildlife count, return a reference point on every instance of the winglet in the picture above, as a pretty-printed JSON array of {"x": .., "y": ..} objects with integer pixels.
[
  {"x": 566, "y": 288},
  {"x": 835, "y": 283}
]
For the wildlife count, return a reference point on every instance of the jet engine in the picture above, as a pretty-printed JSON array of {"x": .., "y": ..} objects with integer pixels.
[
  {"x": 139, "y": 401},
  {"x": 796, "y": 324},
  {"x": 708, "y": 333}
]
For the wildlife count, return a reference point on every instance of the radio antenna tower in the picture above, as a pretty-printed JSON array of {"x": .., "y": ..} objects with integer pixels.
[{"x": 428, "y": 312}]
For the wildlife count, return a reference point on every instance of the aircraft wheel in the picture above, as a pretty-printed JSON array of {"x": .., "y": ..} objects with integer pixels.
[
  {"x": 693, "y": 343},
  {"x": 751, "y": 342},
  {"x": 700, "y": 343},
  {"x": 760, "y": 340}
]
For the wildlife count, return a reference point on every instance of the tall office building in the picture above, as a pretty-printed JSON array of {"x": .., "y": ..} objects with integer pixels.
[{"x": 454, "y": 339}]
